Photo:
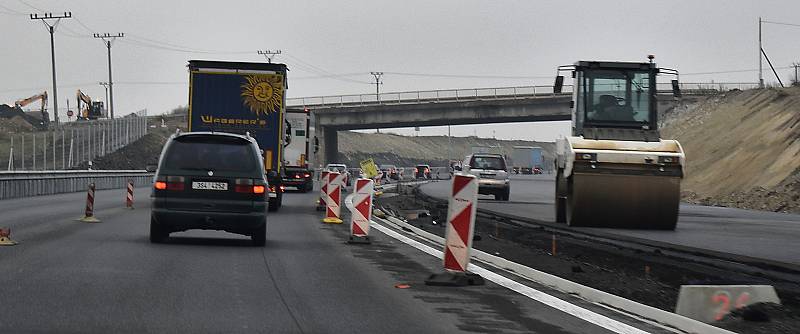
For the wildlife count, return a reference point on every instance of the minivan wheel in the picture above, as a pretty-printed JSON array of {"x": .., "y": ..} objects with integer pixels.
[
  {"x": 157, "y": 233},
  {"x": 273, "y": 204},
  {"x": 259, "y": 236}
]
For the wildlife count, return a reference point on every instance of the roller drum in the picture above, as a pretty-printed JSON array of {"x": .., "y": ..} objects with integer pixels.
[{"x": 622, "y": 201}]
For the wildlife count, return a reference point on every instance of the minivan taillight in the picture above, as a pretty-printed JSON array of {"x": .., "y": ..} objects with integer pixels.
[
  {"x": 170, "y": 183},
  {"x": 249, "y": 186}
]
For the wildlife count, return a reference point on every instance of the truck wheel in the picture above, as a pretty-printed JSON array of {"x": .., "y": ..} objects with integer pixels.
[
  {"x": 280, "y": 199},
  {"x": 259, "y": 236},
  {"x": 506, "y": 194},
  {"x": 273, "y": 204}
]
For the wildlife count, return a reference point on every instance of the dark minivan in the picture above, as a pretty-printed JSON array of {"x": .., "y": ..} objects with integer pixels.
[{"x": 210, "y": 181}]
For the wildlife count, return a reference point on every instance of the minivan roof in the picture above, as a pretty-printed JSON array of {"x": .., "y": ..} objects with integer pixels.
[{"x": 209, "y": 133}]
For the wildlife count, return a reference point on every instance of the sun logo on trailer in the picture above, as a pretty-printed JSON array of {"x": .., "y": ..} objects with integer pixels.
[{"x": 263, "y": 93}]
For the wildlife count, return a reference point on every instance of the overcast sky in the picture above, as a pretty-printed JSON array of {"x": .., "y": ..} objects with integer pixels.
[{"x": 331, "y": 46}]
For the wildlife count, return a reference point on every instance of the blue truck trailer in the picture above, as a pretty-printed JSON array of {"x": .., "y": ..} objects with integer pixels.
[{"x": 243, "y": 98}]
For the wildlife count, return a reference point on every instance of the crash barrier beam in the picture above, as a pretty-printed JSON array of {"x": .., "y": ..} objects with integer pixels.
[{"x": 19, "y": 184}]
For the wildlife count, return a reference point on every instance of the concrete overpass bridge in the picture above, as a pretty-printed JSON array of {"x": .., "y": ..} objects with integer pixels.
[{"x": 331, "y": 114}]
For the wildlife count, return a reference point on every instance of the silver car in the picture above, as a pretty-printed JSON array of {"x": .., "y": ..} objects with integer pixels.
[{"x": 492, "y": 174}]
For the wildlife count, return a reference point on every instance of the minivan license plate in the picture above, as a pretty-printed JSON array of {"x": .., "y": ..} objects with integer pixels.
[{"x": 210, "y": 185}]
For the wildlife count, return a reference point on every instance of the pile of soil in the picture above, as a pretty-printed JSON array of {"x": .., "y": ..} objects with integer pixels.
[
  {"x": 14, "y": 119},
  {"x": 742, "y": 149},
  {"x": 142, "y": 152}
]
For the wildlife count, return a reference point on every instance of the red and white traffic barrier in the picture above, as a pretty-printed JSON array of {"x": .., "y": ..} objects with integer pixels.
[
  {"x": 129, "y": 197},
  {"x": 323, "y": 191},
  {"x": 362, "y": 211},
  {"x": 333, "y": 208},
  {"x": 461, "y": 210},
  {"x": 5, "y": 237},
  {"x": 88, "y": 216}
]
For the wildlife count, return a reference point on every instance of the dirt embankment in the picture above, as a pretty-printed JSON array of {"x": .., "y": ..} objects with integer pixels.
[
  {"x": 433, "y": 150},
  {"x": 742, "y": 149},
  {"x": 146, "y": 150}
]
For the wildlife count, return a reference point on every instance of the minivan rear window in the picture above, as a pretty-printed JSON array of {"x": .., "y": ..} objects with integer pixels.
[
  {"x": 493, "y": 163},
  {"x": 216, "y": 153}
]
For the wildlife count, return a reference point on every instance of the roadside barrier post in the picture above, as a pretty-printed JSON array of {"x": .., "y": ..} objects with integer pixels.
[
  {"x": 129, "y": 197},
  {"x": 323, "y": 191},
  {"x": 362, "y": 212},
  {"x": 88, "y": 216},
  {"x": 5, "y": 237},
  {"x": 334, "y": 199},
  {"x": 458, "y": 236}
]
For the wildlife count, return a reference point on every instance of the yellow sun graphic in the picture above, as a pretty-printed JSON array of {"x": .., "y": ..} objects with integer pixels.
[{"x": 263, "y": 93}]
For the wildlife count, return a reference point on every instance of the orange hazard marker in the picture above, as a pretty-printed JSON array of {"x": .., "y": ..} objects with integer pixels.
[
  {"x": 129, "y": 197},
  {"x": 5, "y": 237},
  {"x": 458, "y": 236},
  {"x": 333, "y": 208},
  {"x": 362, "y": 212},
  {"x": 323, "y": 191},
  {"x": 88, "y": 216}
]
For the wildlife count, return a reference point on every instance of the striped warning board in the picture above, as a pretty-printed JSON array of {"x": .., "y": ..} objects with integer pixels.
[
  {"x": 323, "y": 191},
  {"x": 362, "y": 211},
  {"x": 460, "y": 222},
  {"x": 333, "y": 208}
]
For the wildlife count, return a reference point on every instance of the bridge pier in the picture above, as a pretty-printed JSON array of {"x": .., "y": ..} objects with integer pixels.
[{"x": 329, "y": 144}]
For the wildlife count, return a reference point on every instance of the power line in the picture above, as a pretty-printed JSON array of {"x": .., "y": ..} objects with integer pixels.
[
  {"x": 12, "y": 11},
  {"x": 782, "y": 23},
  {"x": 317, "y": 70},
  {"x": 31, "y": 6},
  {"x": 472, "y": 76}
]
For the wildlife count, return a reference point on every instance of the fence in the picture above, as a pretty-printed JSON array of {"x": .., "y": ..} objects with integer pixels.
[
  {"x": 37, "y": 183},
  {"x": 72, "y": 144}
]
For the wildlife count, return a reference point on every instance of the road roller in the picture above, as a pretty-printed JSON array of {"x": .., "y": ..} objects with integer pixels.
[{"x": 615, "y": 170}]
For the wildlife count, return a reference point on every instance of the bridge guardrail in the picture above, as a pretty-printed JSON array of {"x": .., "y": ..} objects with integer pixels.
[
  {"x": 496, "y": 93},
  {"x": 18, "y": 184}
]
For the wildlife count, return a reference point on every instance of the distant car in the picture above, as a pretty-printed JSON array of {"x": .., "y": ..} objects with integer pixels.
[
  {"x": 299, "y": 178},
  {"x": 210, "y": 181},
  {"x": 422, "y": 172},
  {"x": 537, "y": 170},
  {"x": 492, "y": 174},
  {"x": 342, "y": 169},
  {"x": 390, "y": 172}
]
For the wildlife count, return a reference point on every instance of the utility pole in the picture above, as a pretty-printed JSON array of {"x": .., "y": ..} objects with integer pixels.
[
  {"x": 796, "y": 81},
  {"x": 105, "y": 84},
  {"x": 269, "y": 54},
  {"x": 760, "y": 61},
  {"x": 378, "y": 84},
  {"x": 52, "y": 28},
  {"x": 107, "y": 39}
]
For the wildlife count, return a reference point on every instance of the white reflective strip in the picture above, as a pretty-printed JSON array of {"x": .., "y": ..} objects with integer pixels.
[{"x": 566, "y": 307}]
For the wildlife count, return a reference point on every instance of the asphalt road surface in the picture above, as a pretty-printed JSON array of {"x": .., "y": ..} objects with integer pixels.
[
  {"x": 72, "y": 277},
  {"x": 758, "y": 234}
]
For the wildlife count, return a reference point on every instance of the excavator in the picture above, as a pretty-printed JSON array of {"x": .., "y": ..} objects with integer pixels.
[
  {"x": 615, "y": 170},
  {"x": 90, "y": 109},
  {"x": 44, "y": 117}
]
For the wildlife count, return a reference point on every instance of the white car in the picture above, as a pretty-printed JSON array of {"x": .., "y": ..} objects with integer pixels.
[
  {"x": 492, "y": 173},
  {"x": 340, "y": 168}
]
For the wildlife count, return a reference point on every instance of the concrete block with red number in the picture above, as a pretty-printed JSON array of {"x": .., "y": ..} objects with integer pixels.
[{"x": 710, "y": 303}]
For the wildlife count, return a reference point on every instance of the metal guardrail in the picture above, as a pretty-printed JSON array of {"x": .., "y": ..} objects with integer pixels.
[
  {"x": 19, "y": 184},
  {"x": 496, "y": 93}
]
